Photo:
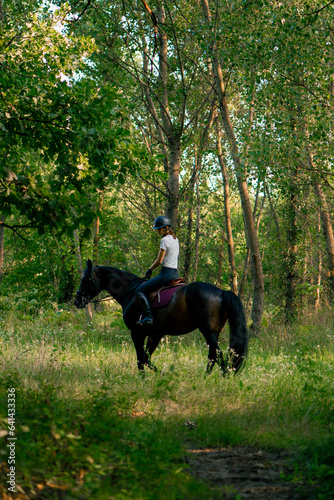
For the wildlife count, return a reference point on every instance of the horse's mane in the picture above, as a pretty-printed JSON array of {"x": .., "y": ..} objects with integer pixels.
[{"x": 108, "y": 269}]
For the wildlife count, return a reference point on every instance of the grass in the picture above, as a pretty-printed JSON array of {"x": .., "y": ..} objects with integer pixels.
[{"x": 88, "y": 426}]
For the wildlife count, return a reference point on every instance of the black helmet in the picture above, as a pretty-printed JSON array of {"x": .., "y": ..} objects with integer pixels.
[{"x": 162, "y": 221}]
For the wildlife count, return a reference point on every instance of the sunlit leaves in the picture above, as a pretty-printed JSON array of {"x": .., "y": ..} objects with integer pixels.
[{"x": 54, "y": 119}]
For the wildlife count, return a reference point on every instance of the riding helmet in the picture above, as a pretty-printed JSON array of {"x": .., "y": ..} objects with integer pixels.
[{"x": 162, "y": 221}]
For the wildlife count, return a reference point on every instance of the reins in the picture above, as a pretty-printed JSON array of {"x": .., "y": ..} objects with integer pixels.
[
  {"x": 109, "y": 297},
  {"x": 103, "y": 299}
]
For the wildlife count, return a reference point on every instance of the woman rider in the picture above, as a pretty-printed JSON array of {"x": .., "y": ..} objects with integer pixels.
[{"x": 168, "y": 259}]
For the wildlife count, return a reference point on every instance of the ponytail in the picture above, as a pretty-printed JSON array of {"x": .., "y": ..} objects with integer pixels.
[{"x": 169, "y": 231}]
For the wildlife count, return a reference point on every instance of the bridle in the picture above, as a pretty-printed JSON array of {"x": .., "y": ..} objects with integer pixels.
[
  {"x": 90, "y": 280},
  {"x": 84, "y": 298}
]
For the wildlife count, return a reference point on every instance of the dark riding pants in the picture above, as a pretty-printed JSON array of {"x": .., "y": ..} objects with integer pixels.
[{"x": 166, "y": 275}]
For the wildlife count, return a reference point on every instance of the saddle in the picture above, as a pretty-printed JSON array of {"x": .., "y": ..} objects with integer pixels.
[{"x": 162, "y": 297}]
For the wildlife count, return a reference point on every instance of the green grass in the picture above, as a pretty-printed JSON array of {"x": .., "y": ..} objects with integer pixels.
[{"x": 88, "y": 425}]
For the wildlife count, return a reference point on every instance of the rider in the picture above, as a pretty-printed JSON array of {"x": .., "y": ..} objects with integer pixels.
[{"x": 168, "y": 259}]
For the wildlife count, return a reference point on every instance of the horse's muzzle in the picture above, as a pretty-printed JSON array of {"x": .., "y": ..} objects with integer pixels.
[{"x": 80, "y": 302}]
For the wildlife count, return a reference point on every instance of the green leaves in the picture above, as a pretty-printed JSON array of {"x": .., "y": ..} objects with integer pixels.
[{"x": 60, "y": 132}]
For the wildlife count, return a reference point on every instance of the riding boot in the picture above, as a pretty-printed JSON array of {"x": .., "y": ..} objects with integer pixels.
[{"x": 147, "y": 318}]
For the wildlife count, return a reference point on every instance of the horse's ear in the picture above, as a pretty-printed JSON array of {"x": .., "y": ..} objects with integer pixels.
[{"x": 89, "y": 269}]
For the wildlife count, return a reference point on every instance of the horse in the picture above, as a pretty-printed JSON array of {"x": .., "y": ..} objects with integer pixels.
[{"x": 196, "y": 305}]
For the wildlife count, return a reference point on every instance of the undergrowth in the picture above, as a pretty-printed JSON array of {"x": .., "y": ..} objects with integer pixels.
[{"x": 88, "y": 426}]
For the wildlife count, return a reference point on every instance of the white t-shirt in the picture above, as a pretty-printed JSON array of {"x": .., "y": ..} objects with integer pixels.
[{"x": 171, "y": 246}]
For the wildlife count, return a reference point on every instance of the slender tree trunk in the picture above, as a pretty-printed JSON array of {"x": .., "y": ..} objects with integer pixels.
[
  {"x": 173, "y": 139},
  {"x": 273, "y": 211},
  {"x": 291, "y": 276},
  {"x": 228, "y": 225},
  {"x": 198, "y": 223},
  {"x": 88, "y": 308},
  {"x": 325, "y": 215},
  {"x": 248, "y": 253},
  {"x": 244, "y": 274},
  {"x": 327, "y": 230},
  {"x": 151, "y": 107},
  {"x": 319, "y": 270},
  {"x": 96, "y": 240},
  {"x": 2, "y": 246},
  {"x": 220, "y": 260},
  {"x": 198, "y": 156},
  {"x": 188, "y": 243},
  {"x": 173, "y": 185},
  {"x": 97, "y": 234},
  {"x": 169, "y": 141},
  {"x": 250, "y": 229}
]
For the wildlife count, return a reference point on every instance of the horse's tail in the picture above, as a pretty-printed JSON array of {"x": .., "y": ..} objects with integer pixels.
[{"x": 232, "y": 306}]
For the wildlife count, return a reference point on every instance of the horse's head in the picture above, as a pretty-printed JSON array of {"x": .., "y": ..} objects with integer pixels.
[{"x": 88, "y": 288}]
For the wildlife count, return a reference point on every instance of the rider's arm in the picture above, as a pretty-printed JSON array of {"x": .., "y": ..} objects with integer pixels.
[{"x": 158, "y": 260}]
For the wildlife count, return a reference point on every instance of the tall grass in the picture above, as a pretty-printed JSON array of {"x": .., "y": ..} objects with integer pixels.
[{"x": 87, "y": 422}]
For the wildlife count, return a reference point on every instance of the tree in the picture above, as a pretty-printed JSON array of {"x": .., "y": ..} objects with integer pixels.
[
  {"x": 157, "y": 65},
  {"x": 250, "y": 229},
  {"x": 61, "y": 136},
  {"x": 227, "y": 212}
]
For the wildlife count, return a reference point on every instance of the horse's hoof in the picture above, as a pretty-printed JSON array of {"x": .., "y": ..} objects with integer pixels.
[{"x": 209, "y": 366}]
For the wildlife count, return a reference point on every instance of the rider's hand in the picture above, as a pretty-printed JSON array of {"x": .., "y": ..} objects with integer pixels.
[{"x": 148, "y": 273}]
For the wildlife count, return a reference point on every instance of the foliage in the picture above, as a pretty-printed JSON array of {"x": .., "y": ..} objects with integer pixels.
[
  {"x": 90, "y": 426},
  {"x": 63, "y": 137},
  {"x": 78, "y": 140},
  {"x": 77, "y": 128}
]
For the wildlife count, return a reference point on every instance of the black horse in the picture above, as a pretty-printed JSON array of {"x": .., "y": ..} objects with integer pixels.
[{"x": 197, "y": 305}]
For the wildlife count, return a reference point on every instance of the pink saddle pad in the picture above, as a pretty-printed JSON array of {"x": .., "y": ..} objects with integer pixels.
[{"x": 164, "y": 296}]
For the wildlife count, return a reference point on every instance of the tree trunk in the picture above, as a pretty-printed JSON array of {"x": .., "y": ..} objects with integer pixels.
[
  {"x": 291, "y": 276},
  {"x": 198, "y": 223},
  {"x": 194, "y": 178},
  {"x": 96, "y": 240},
  {"x": 327, "y": 230},
  {"x": 257, "y": 223},
  {"x": 2, "y": 246},
  {"x": 151, "y": 107},
  {"x": 319, "y": 270},
  {"x": 244, "y": 274},
  {"x": 188, "y": 243},
  {"x": 273, "y": 211},
  {"x": 325, "y": 215},
  {"x": 220, "y": 260},
  {"x": 173, "y": 185},
  {"x": 173, "y": 139},
  {"x": 228, "y": 225},
  {"x": 250, "y": 229},
  {"x": 97, "y": 234},
  {"x": 88, "y": 308}
]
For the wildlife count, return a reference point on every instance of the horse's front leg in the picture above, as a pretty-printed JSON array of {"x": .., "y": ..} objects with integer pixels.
[
  {"x": 139, "y": 339},
  {"x": 151, "y": 345}
]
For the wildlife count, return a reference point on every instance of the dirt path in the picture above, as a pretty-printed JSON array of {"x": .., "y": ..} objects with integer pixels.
[{"x": 245, "y": 473}]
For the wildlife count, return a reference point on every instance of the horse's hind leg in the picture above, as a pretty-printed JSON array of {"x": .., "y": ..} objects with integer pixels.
[{"x": 215, "y": 354}]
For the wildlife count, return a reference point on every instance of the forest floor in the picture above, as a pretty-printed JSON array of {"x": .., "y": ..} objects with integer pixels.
[
  {"x": 246, "y": 473},
  {"x": 88, "y": 426}
]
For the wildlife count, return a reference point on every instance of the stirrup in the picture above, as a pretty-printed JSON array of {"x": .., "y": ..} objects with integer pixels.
[{"x": 145, "y": 321}]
